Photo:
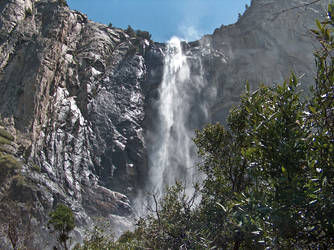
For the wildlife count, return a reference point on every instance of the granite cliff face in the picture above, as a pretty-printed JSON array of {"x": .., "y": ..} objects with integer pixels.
[
  {"x": 78, "y": 99},
  {"x": 270, "y": 40},
  {"x": 72, "y": 95}
]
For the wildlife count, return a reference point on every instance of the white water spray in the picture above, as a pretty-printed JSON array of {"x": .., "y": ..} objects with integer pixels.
[{"x": 172, "y": 157}]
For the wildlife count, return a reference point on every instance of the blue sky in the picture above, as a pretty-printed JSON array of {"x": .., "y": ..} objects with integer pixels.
[{"x": 187, "y": 19}]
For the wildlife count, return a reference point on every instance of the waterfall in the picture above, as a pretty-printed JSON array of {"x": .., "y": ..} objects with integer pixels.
[
  {"x": 172, "y": 155},
  {"x": 181, "y": 108}
]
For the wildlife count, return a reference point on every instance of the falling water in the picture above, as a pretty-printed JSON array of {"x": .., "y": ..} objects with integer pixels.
[{"x": 172, "y": 156}]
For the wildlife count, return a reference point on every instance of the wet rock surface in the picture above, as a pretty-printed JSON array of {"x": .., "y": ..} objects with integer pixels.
[{"x": 79, "y": 98}]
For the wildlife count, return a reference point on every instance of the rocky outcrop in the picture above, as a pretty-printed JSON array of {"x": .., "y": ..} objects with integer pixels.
[
  {"x": 78, "y": 98},
  {"x": 72, "y": 92},
  {"x": 269, "y": 41}
]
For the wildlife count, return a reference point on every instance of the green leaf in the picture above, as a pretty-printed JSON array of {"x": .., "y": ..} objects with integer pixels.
[
  {"x": 283, "y": 170},
  {"x": 318, "y": 24},
  {"x": 221, "y": 206},
  {"x": 312, "y": 109},
  {"x": 313, "y": 202}
]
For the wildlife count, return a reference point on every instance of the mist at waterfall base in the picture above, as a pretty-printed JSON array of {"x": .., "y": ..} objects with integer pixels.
[{"x": 172, "y": 152}]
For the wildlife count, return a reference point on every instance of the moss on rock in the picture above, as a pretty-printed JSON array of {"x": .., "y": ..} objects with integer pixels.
[
  {"x": 5, "y": 137},
  {"x": 8, "y": 166}
]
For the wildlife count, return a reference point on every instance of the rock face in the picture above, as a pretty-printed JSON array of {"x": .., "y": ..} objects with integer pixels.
[
  {"x": 78, "y": 98},
  {"x": 72, "y": 93},
  {"x": 270, "y": 40}
]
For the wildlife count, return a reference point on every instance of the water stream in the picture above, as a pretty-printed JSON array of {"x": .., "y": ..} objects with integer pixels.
[
  {"x": 173, "y": 156},
  {"x": 181, "y": 107}
]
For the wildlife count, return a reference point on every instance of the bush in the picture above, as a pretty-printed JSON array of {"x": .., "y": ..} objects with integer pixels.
[
  {"x": 62, "y": 221},
  {"x": 62, "y": 2},
  {"x": 130, "y": 31},
  {"x": 99, "y": 241},
  {"x": 4, "y": 141},
  {"x": 5, "y": 134},
  {"x": 143, "y": 34},
  {"x": 8, "y": 166},
  {"x": 36, "y": 168}
]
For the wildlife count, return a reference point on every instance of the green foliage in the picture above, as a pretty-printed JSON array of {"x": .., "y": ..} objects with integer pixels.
[
  {"x": 4, "y": 149},
  {"x": 36, "y": 168},
  {"x": 269, "y": 175},
  {"x": 99, "y": 241},
  {"x": 321, "y": 120},
  {"x": 95, "y": 241},
  {"x": 5, "y": 134},
  {"x": 62, "y": 221},
  {"x": 173, "y": 223},
  {"x": 130, "y": 31},
  {"x": 143, "y": 34},
  {"x": 62, "y": 2},
  {"x": 4, "y": 141},
  {"x": 138, "y": 33},
  {"x": 5, "y": 137},
  {"x": 127, "y": 237},
  {"x": 8, "y": 166},
  {"x": 257, "y": 165}
]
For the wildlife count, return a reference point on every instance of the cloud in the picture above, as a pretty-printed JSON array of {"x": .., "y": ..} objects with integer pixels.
[
  {"x": 189, "y": 32},
  {"x": 194, "y": 12}
]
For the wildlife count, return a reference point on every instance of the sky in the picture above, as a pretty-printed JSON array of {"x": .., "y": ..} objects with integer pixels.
[{"x": 186, "y": 19}]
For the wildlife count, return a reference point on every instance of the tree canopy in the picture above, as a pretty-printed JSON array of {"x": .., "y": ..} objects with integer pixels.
[{"x": 62, "y": 221}]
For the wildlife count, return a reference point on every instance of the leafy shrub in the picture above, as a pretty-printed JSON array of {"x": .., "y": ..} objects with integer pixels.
[
  {"x": 5, "y": 134},
  {"x": 36, "y": 168},
  {"x": 130, "y": 31},
  {"x": 138, "y": 33},
  {"x": 4, "y": 140},
  {"x": 8, "y": 165},
  {"x": 62, "y": 2},
  {"x": 4, "y": 149},
  {"x": 99, "y": 241},
  {"x": 143, "y": 34},
  {"x": 127, "y": 237},
  {"x": 62, "y": 221}
]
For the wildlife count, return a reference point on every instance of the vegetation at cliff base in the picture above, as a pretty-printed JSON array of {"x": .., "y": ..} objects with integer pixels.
[
  {"x": 5, "y": 137},
  {"x": 8, "y": 166},
  {"x": 5, "y": 134},
  {"x": 62, "y": 222}
]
